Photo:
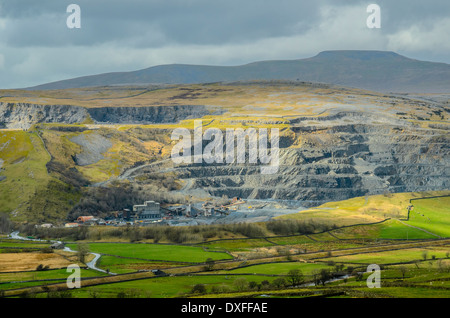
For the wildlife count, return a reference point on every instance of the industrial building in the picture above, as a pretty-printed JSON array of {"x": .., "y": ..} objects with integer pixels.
[{"x": 150, "y": 210}]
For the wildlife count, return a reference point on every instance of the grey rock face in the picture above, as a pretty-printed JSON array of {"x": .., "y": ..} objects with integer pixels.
[
  {"x": 150, "y": 115},
  {"x": 23, "y": 115}
]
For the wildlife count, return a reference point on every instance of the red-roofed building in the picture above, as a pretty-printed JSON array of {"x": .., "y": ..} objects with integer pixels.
[{"x": 84, "y": 219}]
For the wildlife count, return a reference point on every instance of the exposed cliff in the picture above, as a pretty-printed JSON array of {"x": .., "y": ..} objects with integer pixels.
[
  {"x": 24, "y": 115},
  {"x": 150, "y": 115}
]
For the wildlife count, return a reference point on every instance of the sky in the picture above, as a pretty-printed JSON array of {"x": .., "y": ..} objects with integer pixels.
[{"x": 37, "y": 46}]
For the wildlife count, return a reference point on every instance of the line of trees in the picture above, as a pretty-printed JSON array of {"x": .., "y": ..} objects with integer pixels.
[
  {"x": 172, "y": 234},
  {"x": 157, "y": 233},
  {"x": 175, "y": 234},
  {"x": 294, "y": 278},
  {"x": 296, "y": 227}
]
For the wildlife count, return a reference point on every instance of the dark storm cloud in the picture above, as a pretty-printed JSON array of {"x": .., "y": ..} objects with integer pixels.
[
  {"x": 154, "y": 23},
  {"x": 36, "y": 46}
]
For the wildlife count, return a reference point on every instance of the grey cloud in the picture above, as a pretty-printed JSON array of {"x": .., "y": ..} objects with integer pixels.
[
  {"x": 32, "y": 23},
  {"x": 36, "y": 46}
]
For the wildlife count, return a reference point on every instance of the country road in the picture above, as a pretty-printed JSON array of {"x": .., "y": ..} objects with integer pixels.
[{"x": 92, "y": 264}]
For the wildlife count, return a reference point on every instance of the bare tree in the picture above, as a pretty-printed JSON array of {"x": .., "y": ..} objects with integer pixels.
[
  {"x": 82, "y": 252},
  {"x": 403, "y": 270}
]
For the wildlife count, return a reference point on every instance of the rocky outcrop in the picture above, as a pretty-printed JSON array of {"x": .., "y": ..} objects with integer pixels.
[
  {"x": 24, "y": 115},
  {"x": 150, "y": 115}
]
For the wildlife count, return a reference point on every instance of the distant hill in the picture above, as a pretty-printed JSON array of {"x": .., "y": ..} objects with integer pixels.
[{"x": 373, "y": 70}]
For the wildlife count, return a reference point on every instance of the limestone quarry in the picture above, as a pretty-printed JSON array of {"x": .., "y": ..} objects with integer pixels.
[{"x": 335, "y": 142}]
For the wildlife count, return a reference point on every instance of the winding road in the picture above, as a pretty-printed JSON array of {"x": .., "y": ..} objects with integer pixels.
[{"x": 92, "y": 264}]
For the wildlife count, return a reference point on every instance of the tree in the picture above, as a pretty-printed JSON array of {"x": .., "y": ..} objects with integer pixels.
[
  {"x": 325, "y": 275},
  {"x": 338, "y": 268},
  {"x": 254, "y": 285},
  {"x": 295, "y": 277},
  {"x": 265, "y": 284},
  {"x": 209, "y": 264},
  {"x": 82, "y": 252},
  {"x": 279, "y": 282},
  {"x": 316, "y": 277},
  {"x": 424, "y": 255},
  {"x": 403, "y": 270},
  {"x": 241, "y": 284}
]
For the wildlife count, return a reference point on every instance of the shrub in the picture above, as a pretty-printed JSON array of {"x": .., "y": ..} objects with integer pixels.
[
  {"x": 59, "y": 293},
  {"x": 220, "y": 289},
  {"x": 47, "y": 250},
  {"x": 198, "y": 289},
  {"x": 209, "y": 264},
  {"x": 41, "y": 267}
]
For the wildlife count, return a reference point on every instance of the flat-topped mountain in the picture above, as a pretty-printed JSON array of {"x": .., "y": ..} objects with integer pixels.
[{"x": 372, "y": 70}]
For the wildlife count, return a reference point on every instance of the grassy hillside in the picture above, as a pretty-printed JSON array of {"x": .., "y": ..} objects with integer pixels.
[
  {"x": 430, "y": 217},
  {"x": 28, "y": 191}
]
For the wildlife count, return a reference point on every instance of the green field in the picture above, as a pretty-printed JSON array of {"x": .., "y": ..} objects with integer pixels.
[
  {"x": 395, "y": 256},
  {"x": 165, "y": 287},
  {"x": 21, "y": 244},
  {"x": 394, "y": 229},
  {"x": 414, "y": 262},
  {"x": 279, "y": 268},
  {"x": 35, "y": 278},
  {"x": 128, "y": 265},
  {"x": 432, "y": 215},
  {"x": 159, "y": 252}
]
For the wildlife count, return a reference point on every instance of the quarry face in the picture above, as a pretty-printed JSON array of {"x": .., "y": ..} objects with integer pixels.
[{"x": 335, "y": 143}]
